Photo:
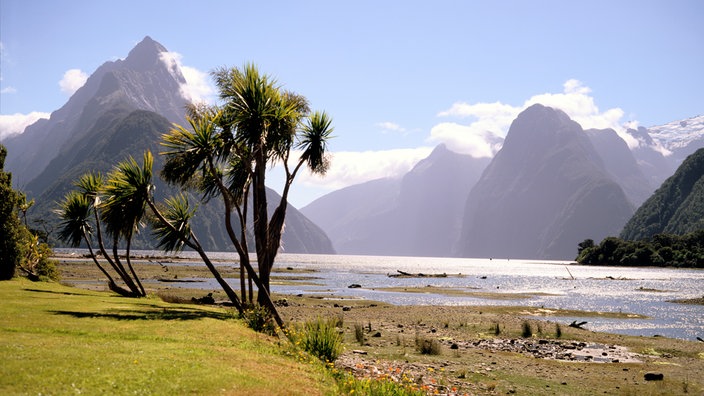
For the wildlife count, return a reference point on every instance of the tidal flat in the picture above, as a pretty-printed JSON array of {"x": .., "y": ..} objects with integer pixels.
[{"x": 482, "y": 349}]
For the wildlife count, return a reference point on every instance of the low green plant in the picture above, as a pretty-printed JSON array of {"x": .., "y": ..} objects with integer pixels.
[
  {"x": 259, "y": 319},
  {"x": 350, "y": 385},
  {"x": 428, "y": 346},
  {"x": 321, "y": 338},
  {"x": 359, "y": 333},
  {"x": 527, "y": 330},
  {"x": 496, "y": 328},
  {"x": 558, "y": 330}
]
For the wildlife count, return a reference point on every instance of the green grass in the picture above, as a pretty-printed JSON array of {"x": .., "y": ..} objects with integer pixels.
[{"x": 60, "y": 340}]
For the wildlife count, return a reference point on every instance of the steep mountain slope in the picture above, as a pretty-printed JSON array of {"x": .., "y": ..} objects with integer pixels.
[
  {"x": 621, "y": 164},
  {"x": 677, "y": 207},
  {"x": 122, "y": 110},
  {"x": 121, "y": 134},
  {"x": 545, "y": 191},
  {"x": 349, "y": 215},
  {"x": 140, "y": 81},
  {"x": 418, "y": 215}
]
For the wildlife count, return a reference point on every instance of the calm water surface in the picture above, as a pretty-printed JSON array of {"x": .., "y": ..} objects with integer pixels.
[{"x": 644, "y": 291}]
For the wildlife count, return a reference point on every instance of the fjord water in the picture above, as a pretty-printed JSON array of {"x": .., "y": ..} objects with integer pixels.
[{"x": 549, "y": 284}]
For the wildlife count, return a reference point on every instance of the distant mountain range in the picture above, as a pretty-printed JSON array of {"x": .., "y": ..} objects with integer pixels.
[
  {"x": 551, "y": 185},
  {"x": 546, "y": 190},
  {"x": 122, "y": 110},
  {"x": 416, "y": 215}
]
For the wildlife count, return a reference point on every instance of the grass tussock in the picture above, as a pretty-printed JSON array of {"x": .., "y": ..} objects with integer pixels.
[
  {"x": 428, "y": 346},
  {"x": 320, "y": 337}
]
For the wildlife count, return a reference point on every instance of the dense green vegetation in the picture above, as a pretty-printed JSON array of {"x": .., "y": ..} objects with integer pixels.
[
  {"x": 20, "y": 247},
  {"x": 677, "y": 207},
  {"x": 660, "y": 250}
]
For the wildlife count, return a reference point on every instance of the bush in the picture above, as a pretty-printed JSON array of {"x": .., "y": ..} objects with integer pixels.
[
  {"x": 428, "y": 346},
  {"x": 527, "y": 330},
  {"x": 321, "y": 338},
  {"x": 359, "y": 333},
  {"x": 259, "y": 319}
]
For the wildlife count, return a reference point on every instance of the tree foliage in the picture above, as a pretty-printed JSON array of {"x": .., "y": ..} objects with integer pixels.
[
  {"x": 20, "y": 248},
  {"x": 660, "y": 250}
]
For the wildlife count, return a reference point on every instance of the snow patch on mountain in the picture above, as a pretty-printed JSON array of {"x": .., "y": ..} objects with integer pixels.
[{"x": 678, "y": 134}]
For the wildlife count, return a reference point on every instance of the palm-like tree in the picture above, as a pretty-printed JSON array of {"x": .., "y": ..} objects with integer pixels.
[
  {"x": 264, "y": 122},
  {"x": 127, "y": 190},
  {"x": 75, "y": 211}
]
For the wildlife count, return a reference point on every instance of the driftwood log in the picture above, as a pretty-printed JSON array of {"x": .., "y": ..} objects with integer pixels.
[{"x": 402, "y": 274}]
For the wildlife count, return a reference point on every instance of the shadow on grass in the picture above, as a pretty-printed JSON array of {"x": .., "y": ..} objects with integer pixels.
[
  {"x": 55, "y": 292},
  {"x": 159, "y": 313}
]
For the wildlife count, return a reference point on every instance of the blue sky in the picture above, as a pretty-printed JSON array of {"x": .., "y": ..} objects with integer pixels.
[{"x": 398, "y": 77}]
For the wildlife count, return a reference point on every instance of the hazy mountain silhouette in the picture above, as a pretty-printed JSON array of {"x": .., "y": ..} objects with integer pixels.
[
  {"x": 417, "y": 215},
  {"x": 677, "y": 207},
  {"x": 545, "y": 191},
  {"x": 122, "y": 110},
  {"x": 621, "y": 164}
]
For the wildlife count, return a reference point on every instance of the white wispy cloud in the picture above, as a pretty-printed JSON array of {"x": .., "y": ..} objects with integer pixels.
[
  {"x": 8, "y": 90},
  {"x": 354, "y": 167},
  {"x": 13, "y": 124},
  {"x": 491, "y": 121},
  {"x": 391, "y": 127},
  {"x": 197, "y": 87},
  {"x": 72, "y": 80}
]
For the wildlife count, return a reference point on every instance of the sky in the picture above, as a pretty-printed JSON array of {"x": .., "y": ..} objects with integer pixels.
[{"x": 397, "y": 77}]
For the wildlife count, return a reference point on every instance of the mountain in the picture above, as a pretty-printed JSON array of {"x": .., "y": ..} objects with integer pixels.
[
  {"x": 662, "y": 148},
  {"x": 417, "y": 215},
  {"x": 682, "y": 138},
  {"x": 621, "y": 164},
  {"x": 545, "y": 191},
  {"x": 133, "y": 102},
  {"x": 142, "y": 81},
  {"x": 677, "y": 207}
]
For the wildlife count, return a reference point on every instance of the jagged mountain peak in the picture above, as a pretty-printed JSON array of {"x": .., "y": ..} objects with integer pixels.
[{"x": 145, "y": 56}]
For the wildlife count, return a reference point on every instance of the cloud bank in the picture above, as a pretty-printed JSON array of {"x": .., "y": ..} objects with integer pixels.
[
  {"x": 348, "y": 167},
  {"x": 490, "y": 121},
  {"x": 13, "y": 124}
]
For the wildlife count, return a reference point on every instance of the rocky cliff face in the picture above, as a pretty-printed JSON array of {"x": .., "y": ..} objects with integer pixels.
[
  {"x": 122, "y": 110},
  {"x": 142, "y": 81},
  {"x": 545, "y": 191}
]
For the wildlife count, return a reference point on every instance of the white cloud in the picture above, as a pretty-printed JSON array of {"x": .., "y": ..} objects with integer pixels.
[
  {"x": 349, "y": 167},
  {"x": 73, "y": 79},
  {"x": 13, "y": 124},
  {"x": 477, "y": 139},
  {"x": 494, "y": 119},
  {"x": 388, "y": 127},
  {"x": 197, "y": 87},
  {"x": 8, "y": 90}
]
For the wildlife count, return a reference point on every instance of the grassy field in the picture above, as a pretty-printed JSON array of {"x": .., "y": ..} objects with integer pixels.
[{"x": 61, "y": 340}]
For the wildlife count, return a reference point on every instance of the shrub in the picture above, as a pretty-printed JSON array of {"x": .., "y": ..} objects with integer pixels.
[
  {"x": 259, "y": 319},
  {"x": 527, "y": 330},
  {"x": 558, "y": 330},
  {"x": 359, "y": 333},
  {"x": 428, "y": 346},
  {"x": 322, "y": 339}
]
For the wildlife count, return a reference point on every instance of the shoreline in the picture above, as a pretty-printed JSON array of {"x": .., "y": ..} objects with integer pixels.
[{"x": 472, "y": 357}]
